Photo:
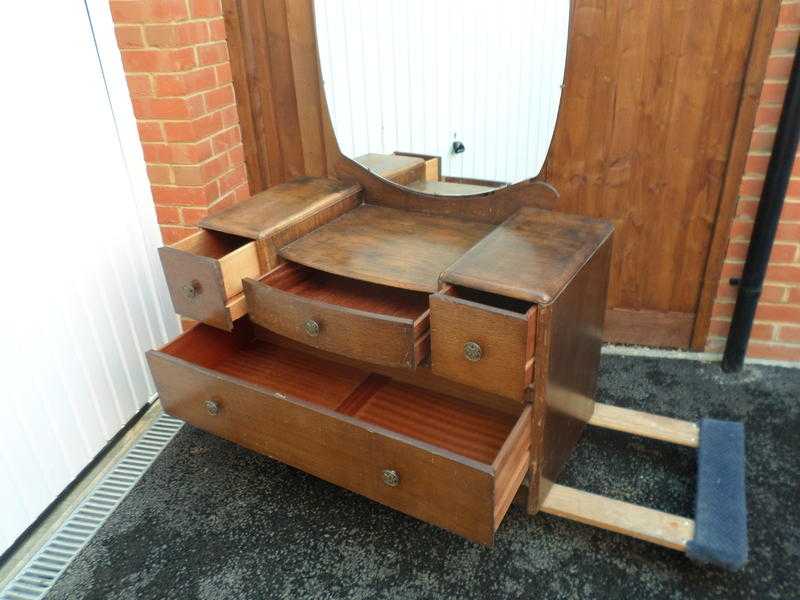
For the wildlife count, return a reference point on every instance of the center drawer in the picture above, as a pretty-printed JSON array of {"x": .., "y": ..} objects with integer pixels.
[
  {"x": 369, "y": 322},
  {"x": 441, "y": 459}
]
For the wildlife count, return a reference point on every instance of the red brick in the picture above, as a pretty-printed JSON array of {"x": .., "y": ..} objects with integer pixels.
[
  {"x": 722, "y": 309},
  {"x": 201, "y": 174},
  {"x": 794, "y": 295},
  {"x": 232, "y": 179},
  {"x": 783, "y": 273},
  {"x": 788, "y": 232},
  {"x": 751, "y": 187},
  {"x": 773, "y": 351},
  {"x": 159, "y": 174},
  {"x": 731, "y": 269},
  {"x": 192, "y": 215},
  {"x": 149, "y": 131},
  {"x": 789, "y": 334},
  {"x": 177, "y": 154},
  {"x": 129, "y": 36},
  {"x": 769, "y": 293},
  {"x": 176, "y": 35},
  {"x": 168, "y": 215},
  {"x": 794, "y": 189},
  {"x": 158, "y": 61},
  {"x": 746, "y": 208},
  {"x": 242, "y": 192},
  {"x": 139, "y": 85},
  {"x": 791, "y": 212},
  {"x": 785, "y": 40},
  {"x": 783, "y": 253},
  {"x": 184, "y": 84},
  {"x": 762, "y": 141},
  {"x": 167, "y": 108},
  {"x": 229, "y": 116},
  {"x": 773, "y": 91},
  {"x": 219, "y": 98},
  {"x": 193, "y": 131},
  {"x": 224, "y": 74},
  {"x": 170, "y": 235},
  {"x": 236, "y": 154},
  {"x": 779, "y": 67},
  {"x": 756, "y": 163},
  {"x": 180, "y": 196},
  {"x": 784, "y": 313},
  {"x": 129, "y": 11},
  {"x": 216, "y": 29},
  {"x": 226, "y": 140},
  {"x": 741, "y": 230},
  {"x": 212, "y": 54},
  {"x": 768, "y": 115},
  {"x": 790, "y": 14},
  {"x": 205, "y": 8}
]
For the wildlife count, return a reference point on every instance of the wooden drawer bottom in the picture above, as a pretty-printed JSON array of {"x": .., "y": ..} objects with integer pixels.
[{"x": 441, "y": 459}]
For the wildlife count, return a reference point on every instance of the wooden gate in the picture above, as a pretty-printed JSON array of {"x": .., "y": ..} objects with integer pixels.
[{"x": 658, "y": 109}]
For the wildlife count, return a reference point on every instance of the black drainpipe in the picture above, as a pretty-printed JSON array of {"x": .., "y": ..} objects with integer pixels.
[{"x": 769, "y": 211}]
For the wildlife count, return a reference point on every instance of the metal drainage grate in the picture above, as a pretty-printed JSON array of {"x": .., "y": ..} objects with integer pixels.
[{"x": 37, "y": 577}]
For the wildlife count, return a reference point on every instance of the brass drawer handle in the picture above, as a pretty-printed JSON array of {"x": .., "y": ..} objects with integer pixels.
[
  {"x": 192, "y": 289},
  {"x": 213, "y": 408},
  {"x": 472, "y": 351},
  {"x": 391, "y": 477},
  {"x": 311, "y": 327}
]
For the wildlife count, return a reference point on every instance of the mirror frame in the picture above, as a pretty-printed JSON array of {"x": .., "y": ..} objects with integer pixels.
[{"x": 493, "y": 206}]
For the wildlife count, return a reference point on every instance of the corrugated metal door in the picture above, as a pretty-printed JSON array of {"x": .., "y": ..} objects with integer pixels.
[{"x": 83, "y": 296}]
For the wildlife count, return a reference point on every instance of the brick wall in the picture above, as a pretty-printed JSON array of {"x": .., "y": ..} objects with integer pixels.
[
  {"x": 176, "y": 60},
  {"x": 776, "y": 332}
]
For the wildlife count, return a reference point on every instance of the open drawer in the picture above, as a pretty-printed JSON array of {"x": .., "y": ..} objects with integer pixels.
[
  {"x": 204, "y": 275},
  {"x": 441, "y": 459},
  {"x": 483, "y": 340},
  {"x": 361, "y": 320}
]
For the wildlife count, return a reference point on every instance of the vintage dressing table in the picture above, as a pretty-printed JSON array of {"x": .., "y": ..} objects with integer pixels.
[{"x": 423, "y": 333}]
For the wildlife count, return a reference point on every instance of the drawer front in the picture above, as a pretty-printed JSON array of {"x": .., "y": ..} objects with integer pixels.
[
  {"x": 205, "y": 288},
  {"x": 358, "y": 334},
  {"x": 482, "y": 346},
  {"x": 428, "y": 483}
]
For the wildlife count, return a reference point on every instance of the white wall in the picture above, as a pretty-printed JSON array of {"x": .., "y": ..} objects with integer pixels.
[
  {"x": 83, "y": 295},
  {"x": 416, "y": 75}
]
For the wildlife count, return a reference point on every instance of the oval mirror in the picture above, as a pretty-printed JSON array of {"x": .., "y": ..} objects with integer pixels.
[{"x": 448, "y": 97}]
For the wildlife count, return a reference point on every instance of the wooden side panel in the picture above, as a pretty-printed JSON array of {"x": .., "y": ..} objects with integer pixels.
[
  {"x": 511, "y": 465},
  {"x": 202, "y": 274},
  {"x": 502, "y": 336},
  {"x": 435, "y": 486},
  {"x": 566, "y": 363},
  {"x": 366, "y": 336}
]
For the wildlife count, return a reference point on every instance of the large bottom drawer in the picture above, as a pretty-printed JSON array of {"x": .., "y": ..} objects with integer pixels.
[{"x": 438, "y": 458}]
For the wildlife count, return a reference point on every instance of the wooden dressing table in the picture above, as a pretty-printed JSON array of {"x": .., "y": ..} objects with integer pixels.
[{"x": 431, "y": 342}]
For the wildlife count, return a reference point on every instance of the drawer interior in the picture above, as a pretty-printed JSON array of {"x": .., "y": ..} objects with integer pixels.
[
  {"x": 350, "y": 293},
  {"x": 211, "y": 244},
  {"x": 488, "y": 299},
  {"x": 470, "y": 430}
]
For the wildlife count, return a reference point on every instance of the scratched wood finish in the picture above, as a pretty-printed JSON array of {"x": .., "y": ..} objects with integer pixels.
[
  {"x": 379, "y": 324},
  {"x": 644, "y": 136},
  {"x": 532, "y": 256},
  {"x": 266, "y": 403},
  {"x": 400, "y": 168},
  {"x": 387, "y": 246}
]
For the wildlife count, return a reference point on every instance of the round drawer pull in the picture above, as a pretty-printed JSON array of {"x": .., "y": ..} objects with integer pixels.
[
  {"x": 192, "y": 289},
  {"x": 213, "y": 408},
  {"x": 391, "y": 477},
  {"x": 311, "y": 327},
  {"x": 472, "y": 351}
]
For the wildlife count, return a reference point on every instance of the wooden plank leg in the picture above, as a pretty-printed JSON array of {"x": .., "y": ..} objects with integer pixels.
[
  {"x": 646, "y": 524},
  {"x": 641, "y": 423}
]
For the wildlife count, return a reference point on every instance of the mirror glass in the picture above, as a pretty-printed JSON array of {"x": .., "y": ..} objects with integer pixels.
[{"x": 444, "y": 96}]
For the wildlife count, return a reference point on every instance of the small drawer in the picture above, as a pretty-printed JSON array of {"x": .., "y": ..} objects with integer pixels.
[
  {"x": 441, "y": 459},
  {"x": 204, "y": 275},
  {"x": 483, "y": 340},
  {"x": 374, "y": 323}
]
